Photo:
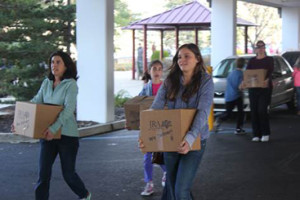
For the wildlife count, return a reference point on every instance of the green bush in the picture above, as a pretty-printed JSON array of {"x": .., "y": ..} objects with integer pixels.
[
  {"x": 121, "y": 97},
  {"x": 156, "y": 55}
]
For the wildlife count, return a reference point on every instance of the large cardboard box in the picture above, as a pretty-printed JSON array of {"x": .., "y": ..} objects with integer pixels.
[
  {"x": 164, "y": 130},
  {"x": 32, "y": 119},
  {"x": 133, "y": 107},
  {"x": 254, "y": 78}
]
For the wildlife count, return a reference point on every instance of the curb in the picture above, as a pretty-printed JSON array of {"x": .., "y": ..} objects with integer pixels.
[{"x": 101, "y": 128}]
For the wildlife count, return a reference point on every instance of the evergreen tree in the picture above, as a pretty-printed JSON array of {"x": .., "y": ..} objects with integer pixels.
[{"x": 30, "y": 30}]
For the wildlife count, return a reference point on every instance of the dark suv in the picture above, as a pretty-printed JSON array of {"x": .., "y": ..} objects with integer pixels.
[
  {"x": 283, "y": 90},
  {"x": 291, "y": 57}
]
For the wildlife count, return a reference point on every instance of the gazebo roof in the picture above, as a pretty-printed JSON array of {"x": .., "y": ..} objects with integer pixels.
[{"x": 185, "y": 17}]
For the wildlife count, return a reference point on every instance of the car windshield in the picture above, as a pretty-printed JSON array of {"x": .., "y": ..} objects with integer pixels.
[
  {"x": 291, "y": 57},
  {"x": 225, "y": 67}
]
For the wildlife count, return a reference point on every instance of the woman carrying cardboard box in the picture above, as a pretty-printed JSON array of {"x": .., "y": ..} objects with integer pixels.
[
  {"x": 60, "y": 88},
  {"x": 187, "y": 86},
  {"x": 260, "y": 97}
]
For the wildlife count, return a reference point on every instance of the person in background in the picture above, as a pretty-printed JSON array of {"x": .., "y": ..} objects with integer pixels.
[
  {"x": 152, "y": 84},
  {"x": 140, "y": 61},
  {"x": 187, "y": 86},
  {"x": 60, "y": 88},
  {"x": 296, "y": 76},
  {"x": 234, "y": 97},
  {"x": 260, "y": 98}
]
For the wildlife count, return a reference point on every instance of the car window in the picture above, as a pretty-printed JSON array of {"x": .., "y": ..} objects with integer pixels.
[
  {"x": 291, "y": 57},
  {"x": 225, "y": 67},
  {"x": 284, "y": 67},
  {"x": 277, "y": 69}
]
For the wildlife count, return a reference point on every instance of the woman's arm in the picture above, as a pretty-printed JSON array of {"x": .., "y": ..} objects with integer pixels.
[
  {"x": 69, "y": 107},
  {"x": 200, "y": 123}
]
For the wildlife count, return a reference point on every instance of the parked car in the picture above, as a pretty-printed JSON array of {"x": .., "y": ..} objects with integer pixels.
[
  {"x": 283, "y": 90},
  {"x": 291, "y": 57}
]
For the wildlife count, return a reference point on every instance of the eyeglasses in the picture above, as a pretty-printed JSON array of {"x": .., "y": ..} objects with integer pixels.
[{"x": 260, "y": 46}]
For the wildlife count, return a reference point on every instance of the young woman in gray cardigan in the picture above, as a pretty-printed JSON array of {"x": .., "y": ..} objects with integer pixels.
[{"x": 187, "y": 86}]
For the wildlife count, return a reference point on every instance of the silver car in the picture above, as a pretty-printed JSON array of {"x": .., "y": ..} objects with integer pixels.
[{"x": 283, "y": 88}]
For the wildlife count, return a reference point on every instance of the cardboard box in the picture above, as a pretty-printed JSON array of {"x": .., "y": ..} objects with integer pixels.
[
  {"x": 164, "y": 130},
  {"x": 32, "y": 120},
  {"x": 133, "y": 107},
  {"x": 254, "y": 78}
]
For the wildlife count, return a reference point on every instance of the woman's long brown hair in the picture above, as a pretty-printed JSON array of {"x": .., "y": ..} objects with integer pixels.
[{"x": 173, "y": 79}]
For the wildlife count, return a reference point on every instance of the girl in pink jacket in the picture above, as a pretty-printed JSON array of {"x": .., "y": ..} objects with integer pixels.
[{"x": 296, "y": 76}]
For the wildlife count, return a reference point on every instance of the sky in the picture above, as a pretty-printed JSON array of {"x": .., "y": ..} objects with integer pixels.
[
  {"x": 146, "y": 7},
  {"x": 149, "y": 7}
]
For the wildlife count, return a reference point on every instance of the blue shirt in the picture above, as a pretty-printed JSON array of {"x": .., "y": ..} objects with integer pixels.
[
  {"x": 65, "y": 94},
  {"x": 147, "y": 89},
  {"x": 201, "y": 101},
  {"x": 234, "y": 79}
]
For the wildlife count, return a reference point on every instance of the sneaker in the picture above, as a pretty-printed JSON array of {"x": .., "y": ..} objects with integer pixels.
[
  {"x": 265, "y": 138},
  {"x": 148, "y": 189},
  {"x": 163, "y": 179},
  {"x": 88, "y": 197},
  {"x": 255, "y": 139},
  {"x": 240, "y": 131}
]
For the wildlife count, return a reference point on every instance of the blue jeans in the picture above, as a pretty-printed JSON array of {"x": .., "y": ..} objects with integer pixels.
[
  {"x": 67, "y": 148},
  {"x": 181, "y": 171},
  {"x": 298, "y": 98},
  {"x": 148, "y": 167}
]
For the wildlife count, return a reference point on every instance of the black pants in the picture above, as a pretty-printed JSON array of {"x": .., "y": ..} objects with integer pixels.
[
  {"x": 230, "y": 106},
  {"x": 67, "y": 148},
  {"x": 260, "y": 99}
]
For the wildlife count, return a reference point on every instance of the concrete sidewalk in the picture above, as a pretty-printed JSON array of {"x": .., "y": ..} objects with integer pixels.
[{"x": 123, "y": 81}]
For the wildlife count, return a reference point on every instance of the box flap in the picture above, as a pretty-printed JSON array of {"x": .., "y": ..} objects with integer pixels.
[{"x": 135, "y": 100}]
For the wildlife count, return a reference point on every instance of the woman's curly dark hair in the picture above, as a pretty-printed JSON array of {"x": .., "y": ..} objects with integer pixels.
[{"x": 71, "y": 70}]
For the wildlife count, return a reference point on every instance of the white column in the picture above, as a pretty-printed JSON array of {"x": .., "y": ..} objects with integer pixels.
[
  {"x": 95, "y": 30},
  {"x": 290, "y": 29},
  {"x": 223, "y": 30}
]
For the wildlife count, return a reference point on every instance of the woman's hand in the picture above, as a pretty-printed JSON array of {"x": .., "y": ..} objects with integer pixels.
[
  {"x": 242, "y": 86},
  {"x": 48, "y": 135},
  {"x": 12, "y": 128},
  {"x": 184, "y": 147},
  {"x": 266, "y": 83},
  {"x": 141, "y": 144}
]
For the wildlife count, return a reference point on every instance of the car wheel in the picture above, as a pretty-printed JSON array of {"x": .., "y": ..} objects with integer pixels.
[{"x": 292, "y": 104}]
